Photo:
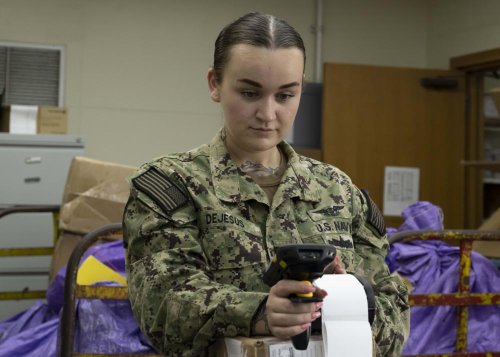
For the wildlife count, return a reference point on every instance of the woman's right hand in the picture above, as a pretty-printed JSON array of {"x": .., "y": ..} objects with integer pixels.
[{"x": 285, "y": 318}]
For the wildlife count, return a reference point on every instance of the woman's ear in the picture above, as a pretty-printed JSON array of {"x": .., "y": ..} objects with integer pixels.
[{"x": 213, "y": 86}]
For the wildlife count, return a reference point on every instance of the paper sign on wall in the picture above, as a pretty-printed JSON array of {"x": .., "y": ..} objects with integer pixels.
[{"x": 401, "y": 188}]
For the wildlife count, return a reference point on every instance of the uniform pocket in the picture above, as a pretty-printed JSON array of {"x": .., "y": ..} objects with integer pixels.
[
  {"x": 236, "y": 257},
  {"x": 230, "y": 248}
]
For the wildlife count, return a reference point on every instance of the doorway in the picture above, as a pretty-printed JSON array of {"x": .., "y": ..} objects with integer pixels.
[{"x": 482, "y": 142}]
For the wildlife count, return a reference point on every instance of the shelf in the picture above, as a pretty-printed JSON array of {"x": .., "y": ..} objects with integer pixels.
[
  {"x": 489, "y": 122},
  {"x": 491, "y": 180},
  {"x": 485, "y": 165},
  {"x": 492, "y": 128}
]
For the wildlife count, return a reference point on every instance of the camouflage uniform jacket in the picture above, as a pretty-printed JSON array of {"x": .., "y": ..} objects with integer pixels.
[{"x": 199, "y": 235}]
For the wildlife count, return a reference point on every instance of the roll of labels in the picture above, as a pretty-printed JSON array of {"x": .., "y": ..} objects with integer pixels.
[{"x": 348, "y": 309}]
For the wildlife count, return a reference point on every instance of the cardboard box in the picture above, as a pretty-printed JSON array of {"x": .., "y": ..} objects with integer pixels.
[
  {"x": 495, "y": 95},
  {"x": 489, "y": 249},
  {"x": 95, "y": 195},
  {"x": 29, "y": 119},
  {"x": 52, "y": 120},
  {"x": 264, "y": 347}
]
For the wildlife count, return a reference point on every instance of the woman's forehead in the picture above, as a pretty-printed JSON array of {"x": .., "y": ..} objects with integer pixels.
[
  {"x": 282, "y": 64},
  {"x": 250, "y": 51}
]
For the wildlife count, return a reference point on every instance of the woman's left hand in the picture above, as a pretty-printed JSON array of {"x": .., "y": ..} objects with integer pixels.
[{"x": 334, "y": 267}]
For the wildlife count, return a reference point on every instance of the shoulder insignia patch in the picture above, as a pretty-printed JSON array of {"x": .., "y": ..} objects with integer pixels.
[
  {"x": 375, "y": 217},
  {"x": 160, "y": 189}
]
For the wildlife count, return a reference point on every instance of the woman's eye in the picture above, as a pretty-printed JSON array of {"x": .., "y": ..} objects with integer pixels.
[
  {"x": 283, "y": 97},
  {"x": 249, "y": 94}
]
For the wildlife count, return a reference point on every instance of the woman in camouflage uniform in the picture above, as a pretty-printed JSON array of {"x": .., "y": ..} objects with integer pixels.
[{"x": 201, "y": 227}]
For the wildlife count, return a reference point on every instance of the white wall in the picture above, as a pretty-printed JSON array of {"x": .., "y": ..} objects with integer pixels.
[
  {"x": 459, "y": 27},
  {"x": 376, "y": 32},
  {"x": 136, "y": 70},
  {"x": 135, "y": 74}
]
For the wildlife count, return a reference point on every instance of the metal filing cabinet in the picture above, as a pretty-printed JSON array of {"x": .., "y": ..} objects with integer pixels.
[{"x": 33, "y": 170}]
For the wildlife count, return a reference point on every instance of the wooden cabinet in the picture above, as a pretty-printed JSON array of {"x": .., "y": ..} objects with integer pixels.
[
  {"x": 491, "y": 141},
  {"x": 375, "y": 117},
  {"x": 482, "y": 134}
]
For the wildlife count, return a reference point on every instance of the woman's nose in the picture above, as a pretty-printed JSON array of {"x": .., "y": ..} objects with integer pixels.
[{"x": 267, "y": 110}]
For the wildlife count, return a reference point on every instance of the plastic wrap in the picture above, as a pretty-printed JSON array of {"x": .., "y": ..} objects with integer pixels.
[
  {"x": 102, "y": 326},
  {"x": 433, "y": 267}
]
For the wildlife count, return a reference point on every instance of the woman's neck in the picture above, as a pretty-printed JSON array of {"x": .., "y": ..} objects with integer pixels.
[
  {"x": 265, "y": 163},
  {"x": 253, "y": 168}
]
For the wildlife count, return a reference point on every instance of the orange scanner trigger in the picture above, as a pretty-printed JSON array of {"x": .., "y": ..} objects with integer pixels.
[{"x": 306, "y": 295}]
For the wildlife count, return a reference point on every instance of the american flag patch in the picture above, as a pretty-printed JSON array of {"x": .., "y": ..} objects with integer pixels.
[
  {"x": 375, "y": 217},
  {"x": 160, "y": 189}
]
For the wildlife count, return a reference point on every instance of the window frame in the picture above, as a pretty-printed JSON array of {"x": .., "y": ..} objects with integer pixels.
[{"x": 62, "y": 61}]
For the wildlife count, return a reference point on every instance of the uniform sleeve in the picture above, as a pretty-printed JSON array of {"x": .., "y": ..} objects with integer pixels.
[
  {"x": 176, "y": 301},
  {"x": 391, "y": 325}
]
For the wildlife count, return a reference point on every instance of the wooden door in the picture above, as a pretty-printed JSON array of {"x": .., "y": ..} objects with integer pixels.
[{"x": 375, "y": 117}]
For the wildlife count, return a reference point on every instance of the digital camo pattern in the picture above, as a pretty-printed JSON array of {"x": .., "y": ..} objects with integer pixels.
[{"x": 195, "y": 270}]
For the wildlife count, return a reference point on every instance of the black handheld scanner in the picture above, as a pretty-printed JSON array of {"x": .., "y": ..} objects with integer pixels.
[{"x": 304, "y": 262}]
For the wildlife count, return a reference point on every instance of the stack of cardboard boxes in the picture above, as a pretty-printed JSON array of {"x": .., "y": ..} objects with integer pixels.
[
  {"x": 95, "y": 195},
  {"x": 264, "y": 347},
  {"x": 32, "y": 119}
]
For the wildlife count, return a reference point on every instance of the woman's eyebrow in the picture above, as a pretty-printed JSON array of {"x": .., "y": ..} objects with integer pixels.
[
  {"x": 289, "y": 85},
  {"x": 258, "y": 85},
  {"x": 249, "y": 81}
]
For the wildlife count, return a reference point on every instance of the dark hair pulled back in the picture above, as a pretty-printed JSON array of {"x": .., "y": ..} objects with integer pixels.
[{"x": 254, "y": 29}]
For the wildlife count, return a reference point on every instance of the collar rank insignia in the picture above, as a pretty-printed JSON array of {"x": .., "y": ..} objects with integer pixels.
[
  {"x": 374, "y": 216},
  {"x": 157, "y": 186}
]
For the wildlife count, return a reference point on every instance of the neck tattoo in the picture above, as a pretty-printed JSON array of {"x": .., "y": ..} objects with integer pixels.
[{"x": 253, "y": 168}]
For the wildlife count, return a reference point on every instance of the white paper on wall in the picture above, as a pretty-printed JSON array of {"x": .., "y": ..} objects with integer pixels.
[{"x": 401, "y": 188}]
